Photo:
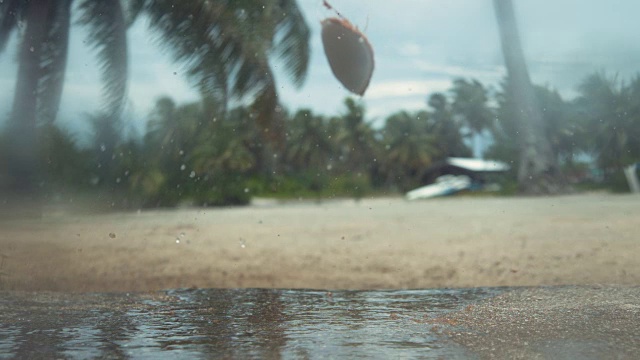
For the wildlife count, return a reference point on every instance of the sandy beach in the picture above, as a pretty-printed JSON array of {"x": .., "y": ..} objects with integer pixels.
[{"x": 386, "y": 243}]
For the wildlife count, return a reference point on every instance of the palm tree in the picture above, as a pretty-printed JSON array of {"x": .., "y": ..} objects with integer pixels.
[
  {"x": 563, "y": 127},
  {"x": 171, "y": 146},
  {"x": 355, "y": 138},
  {"x": 612, "y": 112},
  {"x": 470, "y": 102},
  {"x": 225, "y": 45},
  {"x": 538, "y": 171},
  {"x": 410, "y": 148},
  {"x": 193, "y": 154},
  {"x": 445, "y": 127},
  {"x": 309, "y": 143},
  {"x": 63, "y": 161}
]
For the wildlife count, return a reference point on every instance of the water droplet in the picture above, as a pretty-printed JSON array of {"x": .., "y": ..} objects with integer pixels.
[
  {"x": 118, "y": 180},
  {"x": 103, "y": 147},
  {"x": 242, "y": 243},
  {"x": 177, "y": 240},
  {"x": 112, "y": 235},
  {"x": 192, "y": 174},
  {"x": 182, "y": 167},
  {"x": 31, "y": 49},
  {"x": 246, "y": 190}
]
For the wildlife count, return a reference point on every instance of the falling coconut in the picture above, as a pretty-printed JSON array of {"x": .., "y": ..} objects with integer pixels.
[{"x": 349, "y": 53}]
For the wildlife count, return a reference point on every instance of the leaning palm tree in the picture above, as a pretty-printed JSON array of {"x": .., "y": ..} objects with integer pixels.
[
  {"x": 224, "y": 44},
  {"x": 538, "y": 171}
]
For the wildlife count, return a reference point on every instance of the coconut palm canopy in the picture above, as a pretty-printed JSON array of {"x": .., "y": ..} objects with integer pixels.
[{"x": 225, "y": 45}]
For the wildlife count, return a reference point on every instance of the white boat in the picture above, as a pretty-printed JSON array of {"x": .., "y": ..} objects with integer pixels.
[
  {"x": 466, "y": 176},
  {"x": 444, "y": 185}
]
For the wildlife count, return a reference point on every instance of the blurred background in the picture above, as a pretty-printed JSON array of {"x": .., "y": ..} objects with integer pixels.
[{"x": 129, "y": 104}]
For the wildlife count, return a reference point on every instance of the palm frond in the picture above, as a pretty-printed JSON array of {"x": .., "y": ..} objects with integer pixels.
[
  {"x": 133, "y": 10},
  {"x": 54, "y": 60},
  {"x": 187, "y": 31},
  {"x": 226, "y": 41},
  {"x": 225, "y": 47},
  {"x": 107, "y": 34},
  {"x": 292, "y": 44}
]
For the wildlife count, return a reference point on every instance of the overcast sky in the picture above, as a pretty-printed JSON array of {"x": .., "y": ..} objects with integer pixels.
[{"x": 420, "y": 45}]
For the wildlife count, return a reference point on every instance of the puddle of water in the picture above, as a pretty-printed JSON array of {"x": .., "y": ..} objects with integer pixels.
[{"x": 242, "y": 323}]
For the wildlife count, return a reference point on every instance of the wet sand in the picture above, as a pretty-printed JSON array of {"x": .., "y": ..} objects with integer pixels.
[
  {"x": 597, "y": 322},
  {"x": 565, "y": 322},
  {"x": 383, "y": 243}
]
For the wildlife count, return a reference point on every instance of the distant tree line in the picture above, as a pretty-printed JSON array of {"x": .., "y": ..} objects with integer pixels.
[{"x": 198, "y": 154}]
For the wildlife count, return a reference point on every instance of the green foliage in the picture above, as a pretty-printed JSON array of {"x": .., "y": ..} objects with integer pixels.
[
  {"x": 602, "y": 123},
  {"x": 446, "y": 128},
  {"x": 62, "y": 162},
  {"x": 309, "y": 146},
  {"x": 562, "y": 126},
  {"x": 611, "y": 113},
  {"x": 225, "y": 46},
  {"x": 197, "y": 154},
  {"x": 470, "y": 103},
  {"x": 356, "y": 186},
  {"x": 410, "y": 148}
]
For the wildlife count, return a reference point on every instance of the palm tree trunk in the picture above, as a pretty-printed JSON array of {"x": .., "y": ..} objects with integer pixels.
[
  {"x": 538, "y": 172},
  {"x": 23, "y": 170}
]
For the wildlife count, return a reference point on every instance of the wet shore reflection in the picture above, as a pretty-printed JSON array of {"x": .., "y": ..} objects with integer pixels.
[{"x": 242, "y": 323}]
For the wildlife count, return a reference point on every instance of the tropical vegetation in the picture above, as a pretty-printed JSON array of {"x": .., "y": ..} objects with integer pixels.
[
  {"x": 225, "y": 46},
  {"x": 238, "y": 141},
  {"x": 191, "y": 154}
]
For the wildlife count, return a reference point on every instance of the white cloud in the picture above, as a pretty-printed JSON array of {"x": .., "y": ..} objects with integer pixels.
[
  {"x": 410, "y": 49},
  {"x": 165, "y": 80},
  {"x": 379, "y": 110},
  {"x": 403, "y": 88},
  {"x": 452, "y": 71}
]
